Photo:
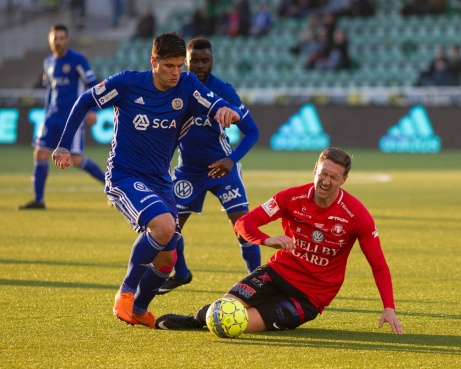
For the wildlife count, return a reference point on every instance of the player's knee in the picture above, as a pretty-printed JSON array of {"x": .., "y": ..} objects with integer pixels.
[
  {"x": 289, "y": 315},
  {"x": 162, "y": 230}
]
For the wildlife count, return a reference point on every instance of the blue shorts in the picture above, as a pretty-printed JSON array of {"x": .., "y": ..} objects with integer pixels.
[
  {"x": 190, "y": 191},
  {"x": 139, "y": 202},
  {"x": 50, "y": 133}
]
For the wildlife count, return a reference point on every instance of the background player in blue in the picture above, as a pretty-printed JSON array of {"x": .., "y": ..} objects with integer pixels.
[
  {"x": 150, "y": 111},
  {"x": 208, "y": 163},
  {"x": 66, "y": 76}
]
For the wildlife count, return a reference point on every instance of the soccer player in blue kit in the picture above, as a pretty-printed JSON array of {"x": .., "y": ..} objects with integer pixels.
[
  {"x": 67, "y": 74},
  {"x": 207, "y": 162},
  {"x": 150, "y": 117}
]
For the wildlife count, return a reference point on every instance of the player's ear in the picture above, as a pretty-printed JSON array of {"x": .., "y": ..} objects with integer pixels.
[
  {"x": 315, "y": 168},
  {"x": 153, "y": 61}
]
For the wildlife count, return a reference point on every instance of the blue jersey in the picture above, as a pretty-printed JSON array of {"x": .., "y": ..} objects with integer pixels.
[
  {"x": 207, "y": 142},
  {"x": 148, "y": 123},
  {"x": 65, "y": 78}
]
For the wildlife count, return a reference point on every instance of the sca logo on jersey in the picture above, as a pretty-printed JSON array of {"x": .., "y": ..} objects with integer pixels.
[
  {"x": 229, "y": 195},
  {"x": 202, "y": 122},
  {"x": 141, "y": 122},
  {"x": 183, "y": 189}
]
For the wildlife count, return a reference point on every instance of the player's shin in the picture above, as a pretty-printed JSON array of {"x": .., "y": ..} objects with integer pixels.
[
  {"x": 150, "y": 283},
  {"x": 180, "y": 269},
  {"x": 39, "y": 178},
  {"x": 144, "y": 251}
]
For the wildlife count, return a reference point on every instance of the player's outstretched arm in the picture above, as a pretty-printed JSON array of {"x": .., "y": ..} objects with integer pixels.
[
  {"x": 61, "y": 158},
  {"x": 389, "y": 316},
  {"x": 226, "y": 116}
]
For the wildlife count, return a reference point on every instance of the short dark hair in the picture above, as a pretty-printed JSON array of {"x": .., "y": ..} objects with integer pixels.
[
  {"x": 337, "y": 156},
  {"x": 168, "y": 44},
  {"x": 59, "y": 27},
  {"x": 199, "y": 43}
]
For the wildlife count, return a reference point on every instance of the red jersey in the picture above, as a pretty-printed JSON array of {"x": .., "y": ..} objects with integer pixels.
[{"x": 324, "y": 238}]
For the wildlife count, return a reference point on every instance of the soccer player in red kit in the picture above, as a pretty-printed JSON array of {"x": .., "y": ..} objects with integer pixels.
[{"x": 321, "y": 223}]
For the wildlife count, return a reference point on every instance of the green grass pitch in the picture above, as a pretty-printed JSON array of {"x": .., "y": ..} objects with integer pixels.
[{"x": 60, "y": 270}]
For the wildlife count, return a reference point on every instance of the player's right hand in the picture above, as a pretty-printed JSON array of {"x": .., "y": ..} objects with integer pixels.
[
  {"x": 280, "y": 242},
  {"x": 61, "y": 158}
]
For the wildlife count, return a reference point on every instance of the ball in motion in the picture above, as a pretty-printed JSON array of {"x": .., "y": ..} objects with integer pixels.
[{"x": 227, "y": 318}]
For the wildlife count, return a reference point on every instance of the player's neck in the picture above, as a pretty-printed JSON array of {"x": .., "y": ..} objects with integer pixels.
[{"x": 325, "y": 202}]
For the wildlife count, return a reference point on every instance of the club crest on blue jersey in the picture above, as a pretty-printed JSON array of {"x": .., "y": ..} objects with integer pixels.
[
  {"x": 141, "y": 187},
  {"x": 66, "y": 68},
  {"x": 177, "y": 104},
  {"x": 183, "y": 189}
]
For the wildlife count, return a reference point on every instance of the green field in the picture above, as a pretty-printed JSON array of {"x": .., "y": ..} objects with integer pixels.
[{"x": 60, "y": 270}]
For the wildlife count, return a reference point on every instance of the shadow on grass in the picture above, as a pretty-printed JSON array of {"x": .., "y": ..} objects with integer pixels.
[
  {"x": 347, "y": 340},
  {"x": 376, "y": 312},
  {"x": 63, "y": 263},
  {"x": 48, "y": 284}
]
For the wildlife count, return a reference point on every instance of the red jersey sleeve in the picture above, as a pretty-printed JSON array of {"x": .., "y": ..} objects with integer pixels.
[
  {"x": 248, "y": 225},
  {"x": 371, "y": 247}
]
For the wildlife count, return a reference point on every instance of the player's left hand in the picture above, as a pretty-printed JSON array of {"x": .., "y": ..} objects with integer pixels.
[
  {"x": 226, "y": 116},
  {"x": 220, "y": 168},
  {"x": 389, "y": 316}
]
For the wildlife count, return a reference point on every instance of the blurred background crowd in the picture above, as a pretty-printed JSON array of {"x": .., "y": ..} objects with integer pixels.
[{"x": 258, "y": 43}]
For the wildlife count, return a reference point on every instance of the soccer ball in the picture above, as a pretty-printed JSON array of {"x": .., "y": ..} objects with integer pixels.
[{"x": 227, "y": 318}]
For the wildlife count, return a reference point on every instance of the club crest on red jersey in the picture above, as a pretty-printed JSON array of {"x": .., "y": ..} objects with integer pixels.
[{"x": 270, "y": 207}]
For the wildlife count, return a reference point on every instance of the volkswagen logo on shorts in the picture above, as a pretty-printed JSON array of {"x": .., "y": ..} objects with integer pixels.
[
  {"x": 183, "y": 189},
  {"x": 141, "y": 187},
  {"x": 317, "y": 236}
]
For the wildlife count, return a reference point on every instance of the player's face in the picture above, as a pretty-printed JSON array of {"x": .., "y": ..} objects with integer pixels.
[
  {"x": 328, "y": 177},
  {"x": 200, "y": 63},
  {"x": 59, "y": 41},
  {"x": 167, "y": 71}
]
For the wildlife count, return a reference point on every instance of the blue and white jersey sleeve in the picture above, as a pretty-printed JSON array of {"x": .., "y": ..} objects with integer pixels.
[{"x": 213, "y": 141}]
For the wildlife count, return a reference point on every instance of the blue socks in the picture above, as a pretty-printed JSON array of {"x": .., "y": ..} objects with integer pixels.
[
  {"x": 92, "y": 169},
  {"x": 144, "y": 251},
  {"x": 39, "y": 176},
  {"x": 251, "y": 253},
  {"x": 142, "y": 278},
  {"x": 180, "y": 269},
  {"x": 150, "y": 283}
]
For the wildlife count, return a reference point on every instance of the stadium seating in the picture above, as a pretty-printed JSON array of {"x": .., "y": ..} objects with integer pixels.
[{"x": 387, "y": 50}]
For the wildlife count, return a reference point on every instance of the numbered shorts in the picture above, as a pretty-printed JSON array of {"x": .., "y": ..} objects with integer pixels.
[
  {"x": 280, "y": 305},
  {"x": 190, "y": 191},
  {"x": 50, "y": 133},
  {"x": 139, "y": 202}
]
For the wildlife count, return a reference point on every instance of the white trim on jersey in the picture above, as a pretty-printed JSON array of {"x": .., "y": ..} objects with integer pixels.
[
  {"x": 222, "y": 140},
  {"x": 77, "y": 144},
  {"x": 211, "y": 107},
  {"x": 185, "y": 128}
]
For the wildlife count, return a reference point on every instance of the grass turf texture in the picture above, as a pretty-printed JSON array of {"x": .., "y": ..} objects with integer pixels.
[{"x": 60, "y": 270}]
